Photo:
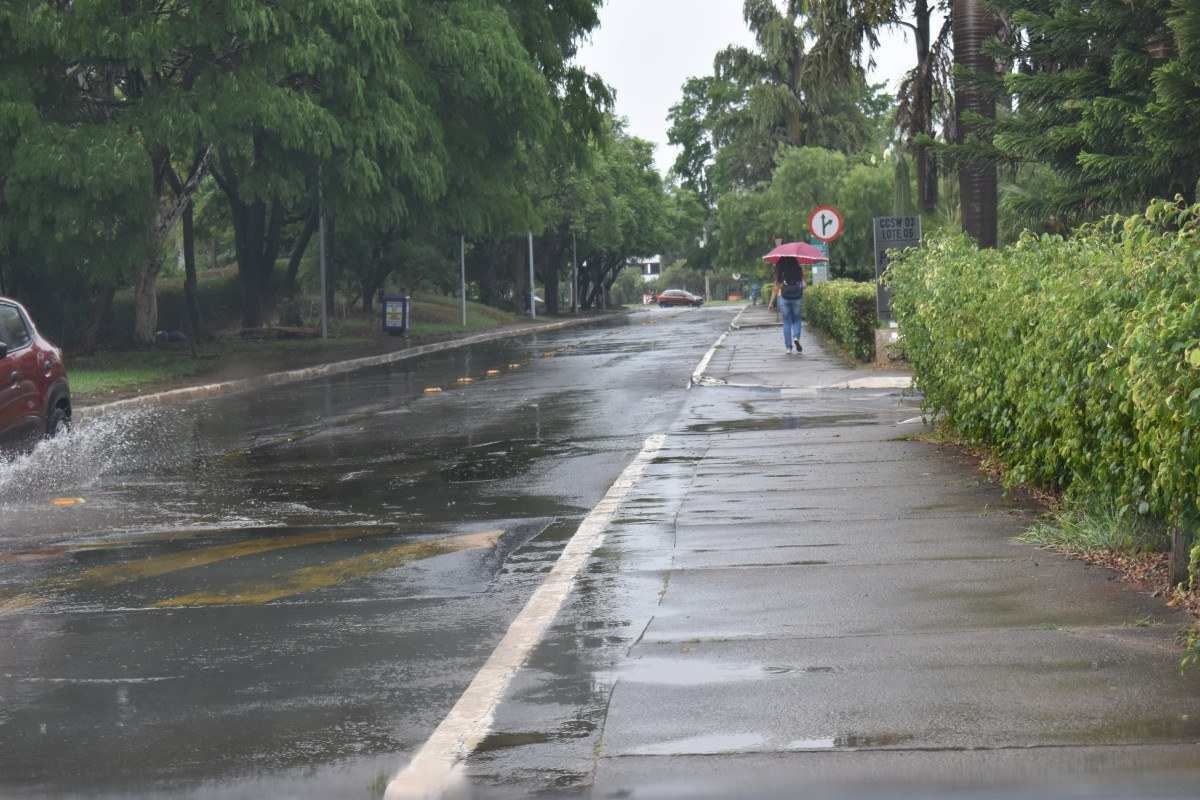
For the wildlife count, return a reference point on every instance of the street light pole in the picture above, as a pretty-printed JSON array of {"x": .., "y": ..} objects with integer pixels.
[
  {"x": 532, "y": 297},
  {"x": 574, "y": 275}
]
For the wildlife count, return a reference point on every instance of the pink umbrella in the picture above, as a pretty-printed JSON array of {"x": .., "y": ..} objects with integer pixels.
[{"x": 803, "y": 252}]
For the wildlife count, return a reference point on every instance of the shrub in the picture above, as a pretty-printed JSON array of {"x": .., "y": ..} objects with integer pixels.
[
  {"x": 845, "y": 310},
  {"x": 1076, "y": 360},
  {"x": 766, "y": 292}
]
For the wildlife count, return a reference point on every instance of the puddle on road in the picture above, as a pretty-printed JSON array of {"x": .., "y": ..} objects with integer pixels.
[
  {"x": 849, "y": 741},
  {"x": 503, "y": 740},
  {"x": 699, "y": 672},
  {"x": 783, "y": 423},
  {"x": 496, "y": 461},
  {"x": 724, "y": 743},
  {"x": 712, "y": 744}
]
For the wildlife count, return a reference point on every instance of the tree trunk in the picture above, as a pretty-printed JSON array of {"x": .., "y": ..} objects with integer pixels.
[
  {"x": 550, "y": 272},
  {"x": 520, "y": 274},
  {"x": 973, "y": 24},
  {"x": 331, "y": 261},
  {"x": 298, "y": 250},
  {"x": 191, "y": 316},
  {"x": 145, "y": 299},
  {"x": 927, "y": 172}
]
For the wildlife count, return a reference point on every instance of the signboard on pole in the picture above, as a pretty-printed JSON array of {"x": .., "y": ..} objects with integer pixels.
[
  {"x": 820, "y": 272},
  {"x": 825, "y": 223},
  {"x": 395, "y": 314},
  {"x": 891, "y": 233}
]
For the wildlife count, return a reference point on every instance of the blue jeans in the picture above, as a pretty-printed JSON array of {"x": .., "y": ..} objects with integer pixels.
[{"x": 790, "y": 309}]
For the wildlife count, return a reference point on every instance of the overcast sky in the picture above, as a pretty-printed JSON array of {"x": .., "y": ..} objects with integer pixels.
[{"x": 646, "y": 49}]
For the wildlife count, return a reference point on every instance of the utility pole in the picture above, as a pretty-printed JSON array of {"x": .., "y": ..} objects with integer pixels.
[
  {"x": 574, "y": 275},
  {"x": 321, "y": 217},
  {"x": 462, "y": 274},
  {"x": 532, "y": 297}
]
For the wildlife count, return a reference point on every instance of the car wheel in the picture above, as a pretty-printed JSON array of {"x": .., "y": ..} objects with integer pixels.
[
  {"x": 57, "y": 421},
  {"x": 662, "y": 305}
]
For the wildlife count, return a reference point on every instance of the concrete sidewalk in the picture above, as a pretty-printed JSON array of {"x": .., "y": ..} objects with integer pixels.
[{"x": 797, "y": 599}]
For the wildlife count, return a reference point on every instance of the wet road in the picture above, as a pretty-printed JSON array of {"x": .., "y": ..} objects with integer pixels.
[{"x": 284, "y": 592}]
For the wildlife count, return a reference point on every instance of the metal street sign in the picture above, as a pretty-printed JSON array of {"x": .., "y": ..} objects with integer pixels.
[
  {"x": 825, "y": 223},
  {"x": 891, "y": 233}
]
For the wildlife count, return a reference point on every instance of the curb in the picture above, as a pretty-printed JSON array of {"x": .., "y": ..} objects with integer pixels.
[
  {"x": 210, "y": 390},
  {"x": 698, "y": 374}
]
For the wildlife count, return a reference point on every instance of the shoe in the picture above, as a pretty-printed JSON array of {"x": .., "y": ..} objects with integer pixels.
[
  {"x": 799, "y": 349},
  {"x": 788, "y": 351}
]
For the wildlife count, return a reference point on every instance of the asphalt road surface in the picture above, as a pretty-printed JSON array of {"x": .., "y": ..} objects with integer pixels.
[{"x": 282, "y": 594}]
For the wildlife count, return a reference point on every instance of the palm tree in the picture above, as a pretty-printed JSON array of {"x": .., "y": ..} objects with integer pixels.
[{"x": 975, "y": 105}]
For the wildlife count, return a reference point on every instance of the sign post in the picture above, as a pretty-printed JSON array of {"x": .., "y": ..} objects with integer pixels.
[
  {"x": 891, "y": 233},
  {"x": 825, "y": 224},
  {"x": 820, "y": 272},
  {"x": 396, "y": 319}
]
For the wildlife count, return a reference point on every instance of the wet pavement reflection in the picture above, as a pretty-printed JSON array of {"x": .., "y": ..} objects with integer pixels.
[{"x": 290, "y": 588}]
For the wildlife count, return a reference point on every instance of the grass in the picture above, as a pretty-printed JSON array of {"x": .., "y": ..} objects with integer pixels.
[
  {"x": 1090, "y": 527},
  {"x": 127, "y": 370}
]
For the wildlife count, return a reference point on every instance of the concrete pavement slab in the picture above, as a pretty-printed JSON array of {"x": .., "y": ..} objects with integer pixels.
[{"x": 807, "y": 601}]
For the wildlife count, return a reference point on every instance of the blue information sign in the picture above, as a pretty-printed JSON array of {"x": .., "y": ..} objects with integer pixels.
[{"x": 396, "y": 317}]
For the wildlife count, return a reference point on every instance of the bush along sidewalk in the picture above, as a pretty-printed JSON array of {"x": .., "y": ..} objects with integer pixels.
[
  {"x": 1075, "y": 361},
  {"x": 845, "y": 310}
]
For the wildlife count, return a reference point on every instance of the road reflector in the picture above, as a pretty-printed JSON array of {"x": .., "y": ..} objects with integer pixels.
[
  {"x": 433, "y": 390},
  {"x": 491, "y": 373},
  {"x": 66, "y": 502},
  {"x": 465, "y": 380},
  {"x": 548, "y": 354},
  {"x": 514, "y": 366}
]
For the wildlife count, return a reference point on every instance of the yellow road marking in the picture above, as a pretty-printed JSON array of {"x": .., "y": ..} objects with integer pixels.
[
  {"x": 19, "y": 602},
  {"x": 323, "y": 576},
  {"x": 433, "y": 390},
  {"x": 153, "y": 566},
  {"x": 113, "y": 574}
]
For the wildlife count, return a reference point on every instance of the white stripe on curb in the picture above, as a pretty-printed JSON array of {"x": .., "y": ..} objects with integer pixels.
[
  {"x": 698, "y": 373},
  {"x": 190, "y": 393},
  {"x": 437, "y": 766}
]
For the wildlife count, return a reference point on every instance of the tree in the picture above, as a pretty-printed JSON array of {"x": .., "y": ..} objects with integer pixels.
[
  {"x": 925, "y": 94},
  {"x": 1100, "y": 98},
  {"x": 804, "y": 178},
  {"x": 974, "y": 25}
]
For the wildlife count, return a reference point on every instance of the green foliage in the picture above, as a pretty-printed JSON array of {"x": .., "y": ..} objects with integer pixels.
[
  {"x": 1105, "y": 96},
  {"x": 1094, "y": 525},
  {"x": 1076, "y": 360},
  {"x": 628, "y": 288},
  {"x": 845, "y": 310},
  {"x": 765, "y": 293},
  {"x": 804, "y": 178},
  {"x": 418, "y": 120}
]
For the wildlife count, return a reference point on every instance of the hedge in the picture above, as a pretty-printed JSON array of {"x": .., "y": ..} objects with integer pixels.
[
  {"x": 1077, "y": 361},
  {"x": 845, "y": 310}
]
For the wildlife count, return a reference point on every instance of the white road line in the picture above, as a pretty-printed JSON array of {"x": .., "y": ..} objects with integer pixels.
[
  {"x": 698, "y": 373},
  {"x": 437, "y": 766}
]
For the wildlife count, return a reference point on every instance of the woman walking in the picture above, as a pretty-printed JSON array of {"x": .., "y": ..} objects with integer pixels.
[{"x": 789, "y": 297}]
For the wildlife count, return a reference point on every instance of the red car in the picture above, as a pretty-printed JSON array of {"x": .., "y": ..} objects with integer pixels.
[
  {"x": 678, "y": 297},
  {"x": 35, "y": 399}
]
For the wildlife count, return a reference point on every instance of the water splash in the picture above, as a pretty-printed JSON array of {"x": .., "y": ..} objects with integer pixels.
[{"x": 138, "y": 439}]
